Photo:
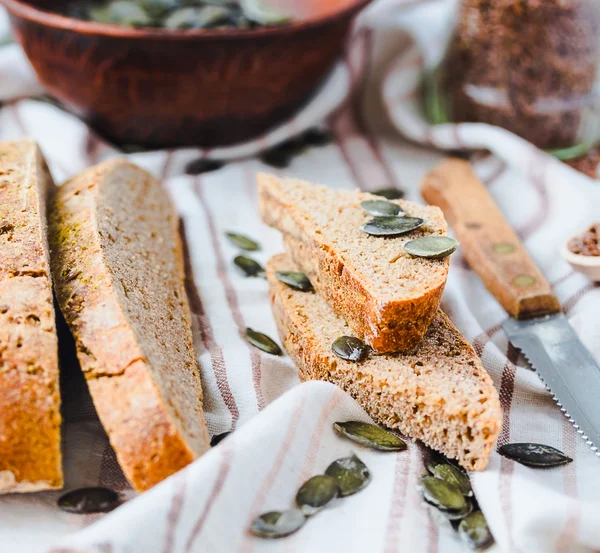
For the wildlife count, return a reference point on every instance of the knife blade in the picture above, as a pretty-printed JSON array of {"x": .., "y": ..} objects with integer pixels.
[{"x": 536, "y": 325}]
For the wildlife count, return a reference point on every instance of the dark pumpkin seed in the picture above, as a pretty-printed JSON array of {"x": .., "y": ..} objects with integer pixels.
[
  {"x": 249, "y": 267},
  {"x": 278, "y": 524},
  {"x": 370, "y": 435},
  {"x": 295, "y": 280},
  {"x": 200, "y": 166},
  {"x": 350, "y": 348},
  {"x": 351, "y": 473},
  {"x": 454, "y": 476},
  {"x": 316, "y": 493},
  {"x": 535, "y": 455},
  {"x": 456, "y": 515},
  {"x": 261, "y": 12},
  {"x": 442, "y": 495},
  {"x": 242, "y": 242},
  {"x": 89, "y": 500},
  {"x": 389, "y": 193},
  {"x": 392, "y": 226},
  {"x": 262, "y": 342},
  {"x": 317, "y": 137},
  {"x": 431, "y": 247},
  {"x": 381, "y": 208},
  {"x": 218, "y": 438},
  {"x": 475, "y": 532}
]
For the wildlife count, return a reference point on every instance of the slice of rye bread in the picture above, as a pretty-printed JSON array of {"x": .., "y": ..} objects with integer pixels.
[
  {"x": 30, "y": 456},
  {"x": 387, "y": 297},
  {"x": 440, "y": 394},
  {"x": 117, "y": 261}
]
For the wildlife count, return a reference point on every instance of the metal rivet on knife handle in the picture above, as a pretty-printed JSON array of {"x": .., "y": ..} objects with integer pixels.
[
  {"x": 503, "y": 248},
  {"x": 524, "y": 281}
]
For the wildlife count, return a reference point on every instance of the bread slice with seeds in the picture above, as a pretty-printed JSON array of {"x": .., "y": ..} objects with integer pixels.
[
  {"x": 117, "y": 261},
  {"x": 30, "y": 455},
  {"x": 387, "y": 297},
  {"x": 440, "y": 393}
]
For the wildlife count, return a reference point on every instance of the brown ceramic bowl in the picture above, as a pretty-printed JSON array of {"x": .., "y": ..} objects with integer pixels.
[{"x": 161, "y": 88}]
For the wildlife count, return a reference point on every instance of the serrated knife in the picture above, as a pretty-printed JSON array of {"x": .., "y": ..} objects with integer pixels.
[{"x": 536, "y": 325}]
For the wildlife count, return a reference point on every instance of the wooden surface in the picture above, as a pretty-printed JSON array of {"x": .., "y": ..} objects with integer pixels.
[{"x": 489, "y": 244}]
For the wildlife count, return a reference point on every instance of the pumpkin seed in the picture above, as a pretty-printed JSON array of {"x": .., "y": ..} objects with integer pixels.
[
  {"x": 431, "y": 247},
  {"x": 297, "y": 281},
  {"x": 350, "y": 348},
  {"x": 157, "y": 9},
  {"x": 351, "y": 473},
  {"x": 120, "y": 12},
  {"x": 535, "y": 455},
  {"x": 204, "y": 17},
  {"x": 242, "y": 242},
  {"x": 249, "y": 267},
  {"x": 442, "y": 495},
  {"x": 317, "y": 137},
  {"x": 263, "y": 13},
  {"x": 199, "y": 166},
  {"x": 89, "y": 500},
  {"x": 392, "y": 226},
  {"x": 475, "y": 532},
  {"x": 389, "y": 193},
  {"x": 370, "y": 435},
  {"x": 316, "y": 493},
  {"x": 381, "y": 208},
  {"x": 454, "y": 476},
  {"x": 218, "y": 438},
  {"x": 262, "y": 342},
  {"x": 457, "y": 515},
  {"x": 278, "y": 524}
]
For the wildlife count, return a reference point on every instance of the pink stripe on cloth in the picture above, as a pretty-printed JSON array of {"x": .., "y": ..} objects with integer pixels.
[
  {"x": 399, "y": 499},
  {"x": 174, "y": 512}
]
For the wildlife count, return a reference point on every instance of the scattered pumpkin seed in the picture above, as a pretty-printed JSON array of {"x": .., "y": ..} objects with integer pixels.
[
  {"x": 243, "y": 242},
  {"x": 295, "y": 280},
  {"x": 474, "y": 531},
  {"x": 392, "y": 226},
  {"x": 370, "y": 435},
  {"x": 454, "y": 476},
  {"x": 317, "y": 137},
  {"x": 457, "y": 515},
  {"x": 89, "y": 500},
  {"x": 434, "y": 458},
  {"x": 278, "y": 524},
  {"x": 442, "y": 495},
  {"x": 199, "y": 166},
  {"x": 350, "y": 348},
  {"x": 389, "y": 193},
  {"x": 262, "y": 342},
  {"x": 381, "y": 208},
  {"x": 218, "y": 438},
  {"x": 351, "y": 473},
  {"x": 431, "y": 247},
  {"x": 535, "y": 455},
  {"x": 263, "y": 13},
  {"x": 316, "y": 493},
  {"x": 249, "y": 267}
]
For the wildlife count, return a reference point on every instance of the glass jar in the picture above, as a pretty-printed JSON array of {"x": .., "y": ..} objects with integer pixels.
[{"x": 529, "y": 66}]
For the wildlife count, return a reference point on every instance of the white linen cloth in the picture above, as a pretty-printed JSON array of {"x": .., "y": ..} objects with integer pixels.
[{"x": 283, "y": 431}]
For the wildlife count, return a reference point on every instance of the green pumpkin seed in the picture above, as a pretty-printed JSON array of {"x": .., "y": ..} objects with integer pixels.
[
  {"x": 457, "y": 515},
  {"x": 249, "y": 267},
  {"x": 263, "y": 13},
  {"x": 297, "y": 281},
  {"x": 120, "y": 12},
  {"x": 204, "y": 17},
  {"x": 351, "y": 473},
  {"x": 242, "y": 242},
  {"x": 381, "y": 208},
  {"x": 370, "y": 435},
  {"x": 431, "y": 247},
  {"x": 278, "y": 524},
  {"x": 262, "y": 342},
  {"x": 316, "y": 493},
  {"x": 156, "y": 9},
  {"x": 535, "y": 455},
  {"x": 454, "y": 476},
  {"x": 442, "y": 495},
  {"x": 350, "y": 348},
  {"x": 475, "y": 532},
  {"x": 389, "y": 193},
  {"x": 89, "y": 500},
  {"x": 392, "y": 226}
]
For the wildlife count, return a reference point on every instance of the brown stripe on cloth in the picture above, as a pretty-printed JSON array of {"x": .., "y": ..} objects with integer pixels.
[
  {"x": 230, "y": 293},
  {"x": 174, "y": 513},
  {"x": 538, "y": 168},
  {"x": 569, "y": 304},
  {"x": 206, "y": 333}
]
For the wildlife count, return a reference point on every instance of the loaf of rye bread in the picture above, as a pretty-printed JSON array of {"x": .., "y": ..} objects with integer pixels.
[
  {"x": 117, "y": 261},
  {"x": 387, "y": 297},
  {"x": 440, "y": 393},
  {"x": 30, "y": 455}
]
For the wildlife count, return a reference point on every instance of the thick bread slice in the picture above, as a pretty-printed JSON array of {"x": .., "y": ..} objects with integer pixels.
[
  {"x": 118, "y": 266},
  {"x": 387, "y": 297},
  {"x": 30, "y": 456},
  {"x": 440, "y": 394}
]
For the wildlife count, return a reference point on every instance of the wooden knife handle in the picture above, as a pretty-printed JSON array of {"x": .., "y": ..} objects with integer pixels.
[{"x": 489, "y": 244}]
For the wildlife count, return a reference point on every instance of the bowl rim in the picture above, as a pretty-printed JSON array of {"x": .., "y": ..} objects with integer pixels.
[{"x": 24, "y": 10}]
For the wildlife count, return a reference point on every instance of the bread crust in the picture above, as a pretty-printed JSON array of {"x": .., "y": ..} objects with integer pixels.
[
  {"x": 30, "y": 454},
  {"x": 144, "y": 428}
]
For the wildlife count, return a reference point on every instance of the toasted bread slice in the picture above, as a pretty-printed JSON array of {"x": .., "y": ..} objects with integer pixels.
[
  {"x": 30, "y": 456},
  {"x": 387, "y": 297},
  {"x": 440, "y": 393},
  {"x": 118, "y": 266}
]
